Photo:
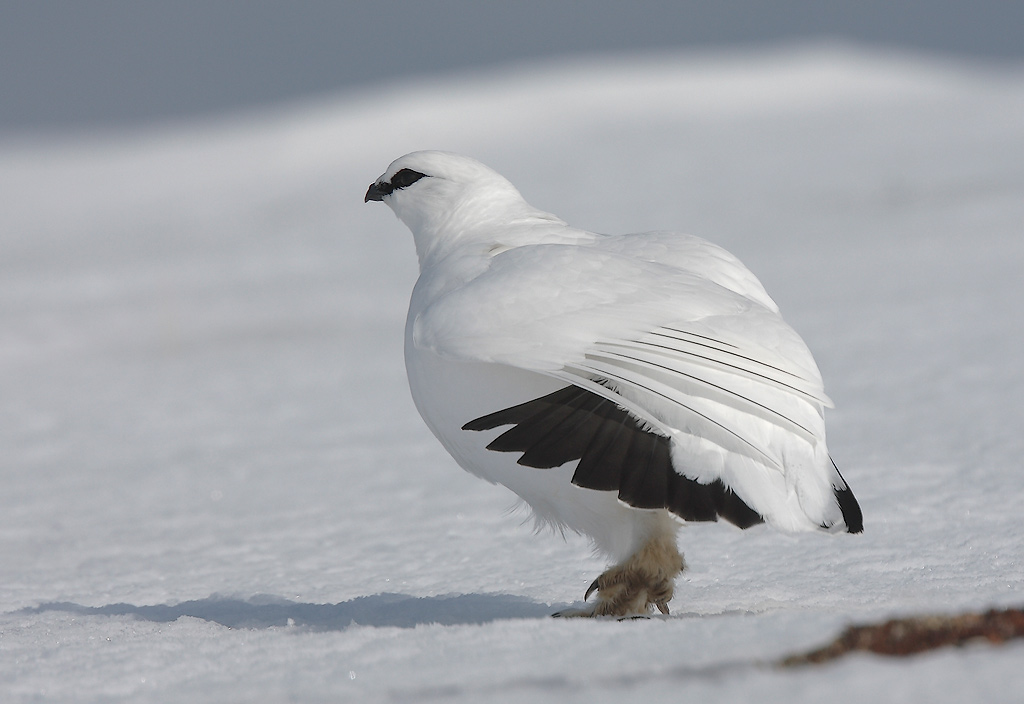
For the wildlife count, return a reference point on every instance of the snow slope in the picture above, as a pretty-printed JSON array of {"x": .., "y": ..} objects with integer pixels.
[{"x": 213, "y": 483}]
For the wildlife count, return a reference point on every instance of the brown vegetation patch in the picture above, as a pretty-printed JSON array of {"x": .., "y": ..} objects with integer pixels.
[{"x": 907, "y": 636}]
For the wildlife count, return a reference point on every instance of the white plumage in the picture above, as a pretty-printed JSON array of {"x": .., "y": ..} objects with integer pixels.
[{"x": 618, "y": 380}]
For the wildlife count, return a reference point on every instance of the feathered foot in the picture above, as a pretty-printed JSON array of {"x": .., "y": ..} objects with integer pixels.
[{"x": 632, "y": 588}]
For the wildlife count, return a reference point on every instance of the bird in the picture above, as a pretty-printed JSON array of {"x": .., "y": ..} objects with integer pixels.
[{"x": 621, "y": 385}]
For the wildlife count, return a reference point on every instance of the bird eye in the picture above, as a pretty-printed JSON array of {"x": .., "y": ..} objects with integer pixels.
[{"x": 405, "y": 177}]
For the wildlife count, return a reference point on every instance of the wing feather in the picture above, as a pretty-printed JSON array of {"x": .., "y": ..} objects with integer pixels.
[{"x": 702, "y": 359}]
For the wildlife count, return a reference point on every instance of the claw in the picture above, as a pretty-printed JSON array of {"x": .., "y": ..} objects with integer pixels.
[
  {"x": 591, "y": 589},
  {"x": 663, "y": 608}
]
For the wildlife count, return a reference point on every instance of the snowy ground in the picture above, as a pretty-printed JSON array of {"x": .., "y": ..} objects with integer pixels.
[{"x": 214, "y": 486}]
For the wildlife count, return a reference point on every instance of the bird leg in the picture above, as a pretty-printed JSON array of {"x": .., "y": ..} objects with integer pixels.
[{"x": 645, "y": 580}]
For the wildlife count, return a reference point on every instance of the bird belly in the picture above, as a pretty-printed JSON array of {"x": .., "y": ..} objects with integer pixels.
[{"x": 448, "y": 394}]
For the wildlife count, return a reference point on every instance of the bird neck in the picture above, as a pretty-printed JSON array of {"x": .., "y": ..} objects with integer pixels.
[{"x": 486, "y": 230}]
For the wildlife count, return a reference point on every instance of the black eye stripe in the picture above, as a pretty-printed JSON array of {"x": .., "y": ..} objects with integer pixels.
[{"x": 404, "y": 178}]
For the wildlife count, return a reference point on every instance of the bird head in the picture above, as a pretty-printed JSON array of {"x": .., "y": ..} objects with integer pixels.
[{"x": 446, "y": 198}]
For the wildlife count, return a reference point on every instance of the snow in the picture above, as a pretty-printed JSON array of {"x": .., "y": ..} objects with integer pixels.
[{"x": 215, "y": 486}]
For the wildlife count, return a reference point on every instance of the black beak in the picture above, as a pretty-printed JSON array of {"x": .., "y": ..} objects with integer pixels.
[{"x": 374, "y": 192}]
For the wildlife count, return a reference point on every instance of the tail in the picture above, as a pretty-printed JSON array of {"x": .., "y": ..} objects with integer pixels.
[{"x": 852, "y": 515}]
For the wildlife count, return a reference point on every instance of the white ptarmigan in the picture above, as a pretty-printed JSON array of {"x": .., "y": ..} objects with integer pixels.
[{"x": 619, "y": 384}]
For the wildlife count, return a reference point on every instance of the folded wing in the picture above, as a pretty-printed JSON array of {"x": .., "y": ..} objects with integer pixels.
[{"x": 728, "y": 391}]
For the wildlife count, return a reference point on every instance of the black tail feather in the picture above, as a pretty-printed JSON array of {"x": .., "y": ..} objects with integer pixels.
[
  {"x": 848, "y": 505},
  {"x": 615, "y": 451}
]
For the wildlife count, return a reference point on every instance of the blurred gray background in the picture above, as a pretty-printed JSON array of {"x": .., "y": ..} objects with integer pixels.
[{"x": 108, "y": 64}]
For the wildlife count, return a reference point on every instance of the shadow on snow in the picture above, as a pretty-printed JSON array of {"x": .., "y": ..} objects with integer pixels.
[{"x": 262, "y": 611}]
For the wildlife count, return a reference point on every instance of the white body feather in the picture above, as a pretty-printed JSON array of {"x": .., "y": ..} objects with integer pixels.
[{"x": 512, "y": 304}]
